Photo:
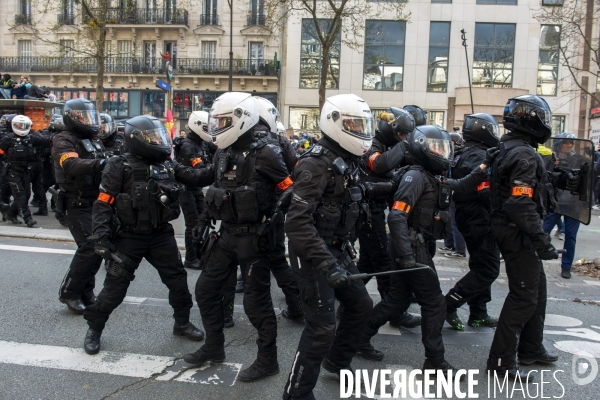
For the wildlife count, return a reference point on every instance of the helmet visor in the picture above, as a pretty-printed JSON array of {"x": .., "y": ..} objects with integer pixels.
[
  {"x": 358, "y": 125},
  {"x": 22, "y": 125},
  {"x": 439, "y": 147},
  {"x": 219, "y": 124},
  {"x": 524, "y": 109},
  {"x": 107, "y": 129},
  {"x": 86, "y": 117},
  {"x": 157, "y": 136}
]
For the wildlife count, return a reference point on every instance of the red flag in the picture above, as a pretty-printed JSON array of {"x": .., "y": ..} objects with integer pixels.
[{"x": 170, "y": 124}]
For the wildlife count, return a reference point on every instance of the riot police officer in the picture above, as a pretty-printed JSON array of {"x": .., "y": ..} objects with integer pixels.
[
  {"x": 20, "y": 149},
  {"x": 480, "y": 132},
  {"x": 113, "y": 141},
  {"x": 387, "y": 153},
  {"x": 419, "y": 216},
  {"x": 320, "y": 224},
  {"x": 140, "y": 189},
  {"x": 5, "y": 191},
  {"x": 521, "y": 193},
  {"x": 195, "y": 152},
  {"x": 79, "y": 158},
  {"x": 243, "y": 197}
]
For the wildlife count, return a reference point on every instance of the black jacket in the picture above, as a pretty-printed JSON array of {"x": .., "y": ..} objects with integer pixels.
[{"x": 381, "y": 159}]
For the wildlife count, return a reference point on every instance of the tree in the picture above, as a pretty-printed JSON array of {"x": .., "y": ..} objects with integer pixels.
[
  {"x": 579, "y": 47},
  {"x": 334, "y": 22}
]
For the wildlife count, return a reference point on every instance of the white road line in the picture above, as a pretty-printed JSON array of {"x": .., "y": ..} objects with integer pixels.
[
  {"x": 593, "y": 283},
  {"x": 106, "y": 362},
  {"x": 36, "y": 249}
]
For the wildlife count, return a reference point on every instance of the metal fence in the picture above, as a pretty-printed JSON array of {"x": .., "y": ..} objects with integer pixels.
[
  {"x": 209, "y": 19},
  {"x": 130, "y": 65},
  {"x": 137, "y": 16},
  {"x": 23, "y": 19},
  {"x": 255, "y": 19}
]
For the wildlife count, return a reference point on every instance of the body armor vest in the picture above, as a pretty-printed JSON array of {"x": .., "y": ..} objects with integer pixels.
[
  {"x": 22, "y": 152},
  {"x": 240, "y": 195},
  {"x": 339, "y": 209},
  {"x": 459, "y": 170},
  {"x": 84, "y": 185},
  {"x": 544, "y": 194},
  {"x": 151, "y": 200}
]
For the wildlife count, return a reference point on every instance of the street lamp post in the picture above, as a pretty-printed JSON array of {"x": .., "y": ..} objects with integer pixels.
[{"x": 230, "y": 2}]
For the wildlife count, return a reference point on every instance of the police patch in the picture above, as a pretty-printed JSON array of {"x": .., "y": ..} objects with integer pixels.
[
  {"x": 305, "y": 176},
  {"x": 524, "y": 164}
]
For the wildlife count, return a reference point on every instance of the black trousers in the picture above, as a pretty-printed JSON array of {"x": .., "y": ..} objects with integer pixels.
[
  {"x": 192, "y": 204},
  {"x": 374, "y": 256},
  {"x": 233, "y": 250},
  {"x": 320, "y": 339},
  {"x": 80, "y": 277},
  {"x": 426, "y": 287},
  {"x": 19, "y": 180},
  {"x": 475, "y": 288},
  {"x": 37, "y": 183},
  {"x": 521, "y": 323},
  {"x": 160, "y": 249}
]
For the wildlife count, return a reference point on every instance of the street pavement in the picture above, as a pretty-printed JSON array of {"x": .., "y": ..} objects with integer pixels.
[{"x": 41, "y": 355}]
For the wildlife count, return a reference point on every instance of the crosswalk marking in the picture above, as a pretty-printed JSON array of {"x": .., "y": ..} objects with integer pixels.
[
  {"x": 113, "y": 363},
  {"x": 592, "y": 283},
  {"x": 36, "y": 249},
  {"x": 149, "y": 301}
]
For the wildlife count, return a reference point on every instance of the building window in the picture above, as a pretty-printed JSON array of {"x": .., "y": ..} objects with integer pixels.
[
  {"x": 548, "y": 60},
  {"x": 149, "y": 57},
  {"x": 311, "y": 54},
  {"x": 116, "y": 104},
  {"x": 384, "y": 55},
  {"x": 25, "y": 48},
  {"x": 67, "y": 48},
  {"x": 255, "y": 54},
  {"x": 304, "y": 119},
  {"x": 154, "y": 104},
  {"x": 441, "y": 1},
  {"x": 558, "y": 124},
  {"x": 439, "y": 47},
  {"x": 499, "y": 2},
  {"x": 209, "y": 54},
  {"x": 436, "y": 118},
  {"x": 493, "y": 55},
  {"x": 125, "y": 48},
  {"x": 552, "y": 2}
]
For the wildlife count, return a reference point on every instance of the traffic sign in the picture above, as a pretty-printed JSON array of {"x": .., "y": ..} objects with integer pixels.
[{"x": 163, "y": 85}]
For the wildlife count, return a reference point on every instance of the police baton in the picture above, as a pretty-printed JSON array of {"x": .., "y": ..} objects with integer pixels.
[
  {"x": 418, "y": 266},
  {"x": 116, "y": 258},
  {"x": 561, "y": 251}
]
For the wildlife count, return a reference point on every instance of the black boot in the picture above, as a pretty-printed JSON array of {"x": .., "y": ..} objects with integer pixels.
[
  {"x": 188, "y": 330},
  {"x": 15, "y": 220},
  {"x": 369, "y": 352},
  {"x": 205, "y": 354},
  {"x": 406, "y": 320},
  {"x": 88, "y": 298},
  {"x": 544, "y": 357},
  {"x": 477, "y": 322},
  {"x": 75, "y": 305},
  {"x": 454, "y": 320},
  {"x": 30, "y": 222},
  {"x": 258, "y": 371},
  {"x": 194, "y": 264},
  {"x": 332, "y": 367},
  {"x": 228, "y": 316},
  {"x": 91, "y": 344}
]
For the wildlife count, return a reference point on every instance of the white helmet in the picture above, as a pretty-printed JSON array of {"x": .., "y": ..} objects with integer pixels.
[
  {"x": 346, "y": 119},
  {"x": 232, "y": 114},
  {"x": 280, "y": 128},
  {"x": 21, "y": 125},
  {"x": 267, "y": 113},
  {"x": 198, "y": 123}
]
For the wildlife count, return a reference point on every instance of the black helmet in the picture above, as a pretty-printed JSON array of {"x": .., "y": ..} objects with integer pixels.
[
  {"x": 529, "y": 114},
  {"x": 394, "y": 122},
  {"x": 108, "y": 127},
  {"x": 57, "y": 124},
  {"x": 482, "y": 128},
  {"x": 418, "y": 114},
  {"x": 430, "y": 146},
  {"x": 81, "y": 118},
  {"x": 562, "y": 138},
  {"x": 6, "y": 123},
  {"x": 456, "y": 138},
  {"x": 147, "y": 137}
]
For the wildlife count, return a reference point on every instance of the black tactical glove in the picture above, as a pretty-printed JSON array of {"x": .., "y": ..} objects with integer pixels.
[
  {"x": 198, "y": 229},
  {"x": 104, "y": 248},
  {"x": 406, "y": 262},
  {"x": 490, "y": 155},
  {"x": 573, "y": 181},
  {"x": 338, "y": 277},
  {"x": 548, "y": 253}
]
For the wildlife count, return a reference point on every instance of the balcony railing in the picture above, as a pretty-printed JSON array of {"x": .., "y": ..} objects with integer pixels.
[
  {"x": 23, "y": 19},
  {"x": 254, "y": 19},
  {"x": 208, "y": 19},
  {"x": 142, "y": 16},
  {"x": 66, "y": 19},
  {"x": 130, "y": 65}
]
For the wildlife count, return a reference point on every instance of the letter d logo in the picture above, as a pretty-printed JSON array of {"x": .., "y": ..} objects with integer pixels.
[{"x": 584, "y": 364}]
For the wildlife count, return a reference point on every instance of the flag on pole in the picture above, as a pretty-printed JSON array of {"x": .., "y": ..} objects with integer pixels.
[{"x": 170, "y": 124}]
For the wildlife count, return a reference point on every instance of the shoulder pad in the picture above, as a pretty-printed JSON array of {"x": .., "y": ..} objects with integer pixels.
[
  {"x": 316, "y": 150},
  {"x": 259, "y": 143},
  {"x": 509, "y": 144},
  {"x": 277, "y": 149}
]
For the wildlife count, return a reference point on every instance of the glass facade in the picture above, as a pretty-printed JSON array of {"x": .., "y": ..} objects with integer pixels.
[
  {"x": 493, "y": 55},
  {"x": 437, "y": 65},
  {"x": 311, "y": 53},
  {"x": 304, "y": 119},
  {"x": 547, "y": 78},
  {"x": 384, "y": 55}
]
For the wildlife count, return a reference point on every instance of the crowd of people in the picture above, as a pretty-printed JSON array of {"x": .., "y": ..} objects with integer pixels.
[
  {"x": 118, "y": 191},
  {"x": 22, "y": 89}
]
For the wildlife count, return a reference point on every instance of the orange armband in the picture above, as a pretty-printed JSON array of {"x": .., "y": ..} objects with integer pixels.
[
  {"x": 372, "y": 159},
  {"x": 522, "y": 191},
  {"x": 286, "y": 183},
  {"x": 105, "y": 197},
  {"x": 401, "y": 206},
  {"x": 196, "y": 161},
  {"x": 65, "y": 156},
  {"x": 483, "y": 185}
]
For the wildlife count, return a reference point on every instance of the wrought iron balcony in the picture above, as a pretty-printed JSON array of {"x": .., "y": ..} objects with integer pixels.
[
  {"x": 142, "y": 16},
  {"x": 66, "y": 19},
  {"x": 208, "y": 19},
  {"x": 254, "y": 19},
  {"x": 23, "y": 19},
  {"x": 131, "y": 65}
]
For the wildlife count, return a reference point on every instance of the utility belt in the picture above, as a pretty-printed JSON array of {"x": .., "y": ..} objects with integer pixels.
[
  {"x": 145, "y": 231},
  {"x": 345, "y": 247}
]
